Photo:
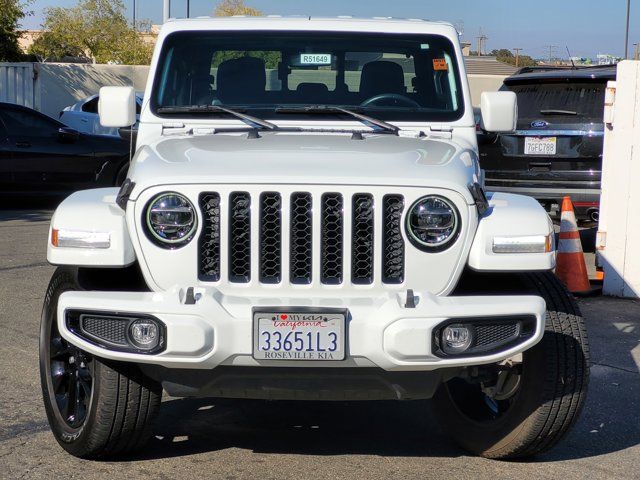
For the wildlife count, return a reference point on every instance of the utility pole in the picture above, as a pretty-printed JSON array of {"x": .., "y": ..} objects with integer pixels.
[
  {"x": 134, "y": 15},
  {"x": 552, "y": 49},
  {"x": 626, "y": 35},
  {"x": 166, "y": 10},
  {"x": 517, "y": 50},
  {"x": 188, "y": 8},
  {"x": 482, "y": 38}
]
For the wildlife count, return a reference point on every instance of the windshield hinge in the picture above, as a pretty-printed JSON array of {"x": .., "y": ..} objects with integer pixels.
[
  {"x": 176, "y": 128},
  {"x": 442, "y": 131}
]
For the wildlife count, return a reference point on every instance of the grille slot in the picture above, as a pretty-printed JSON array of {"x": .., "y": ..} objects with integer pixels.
[
  {"x": 270, "y": 237},
  {"x": 332, "y": 248},
  {"x": 491, "y": 333},
  {"x": 111, "y": 330},
  {"x": 301, "y": 238},
  {"x": 239, "y": 237},
  {"x": 209, "y": 242},
  {"x": 392, "y": 243},
  {"x": 362, "y": 239}
]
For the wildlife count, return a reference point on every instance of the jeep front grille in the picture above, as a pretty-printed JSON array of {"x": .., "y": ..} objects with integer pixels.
[{"x": 329, "y": 243}]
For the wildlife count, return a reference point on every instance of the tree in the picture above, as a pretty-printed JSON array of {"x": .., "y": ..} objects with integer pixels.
[
  {"x": 228, "y": 8},
  {"x": 95, "y": 30},
  {"x": 11, "y": 12},
  {"x": 501, "y": 53},
  {"x": 505, "y": 56}
]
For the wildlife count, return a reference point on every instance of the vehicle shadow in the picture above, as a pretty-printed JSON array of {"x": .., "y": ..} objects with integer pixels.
[
  {"x": 28, "y": 209},
  {"x": 191, "y": 426}
]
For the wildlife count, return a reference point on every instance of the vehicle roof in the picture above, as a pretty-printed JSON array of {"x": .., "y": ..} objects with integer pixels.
[
  {"x": 544, "y": 74},
  {"x": 284, "y": 23}
]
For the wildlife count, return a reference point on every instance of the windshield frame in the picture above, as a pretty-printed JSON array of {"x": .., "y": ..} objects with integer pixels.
[{"x": 269, "y": 111}]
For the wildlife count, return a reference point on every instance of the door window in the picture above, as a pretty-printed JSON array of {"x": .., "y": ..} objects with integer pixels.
[{"x": 23, "y": 123}]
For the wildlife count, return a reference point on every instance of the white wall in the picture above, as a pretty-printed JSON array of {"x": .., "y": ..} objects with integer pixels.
[
  {"x": 49, "y": 87},
  {"x": 619, "y": 227}
]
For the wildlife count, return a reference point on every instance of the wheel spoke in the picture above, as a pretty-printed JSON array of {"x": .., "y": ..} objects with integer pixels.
[
  {"x": 71, "y": 403},
  {"x": 59, "y": 348},
  {"x": 58, "y": 375}
]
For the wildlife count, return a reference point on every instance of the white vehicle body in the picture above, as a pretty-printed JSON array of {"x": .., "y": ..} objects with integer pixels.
[
  {"x": 389, "y": 326},
  {"x": 83, "y": 116}
]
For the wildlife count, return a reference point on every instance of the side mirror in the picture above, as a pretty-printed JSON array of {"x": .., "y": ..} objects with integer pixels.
[
  {"x": 68, "y": 135},
  {"x": 499, "y": 111},
  {"x": 117, "y": 107}
]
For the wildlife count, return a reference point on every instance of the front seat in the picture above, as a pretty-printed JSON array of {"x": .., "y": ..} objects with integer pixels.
[
  {"x": 241, "y": 80},
  {"x": 380, "y": 77}
]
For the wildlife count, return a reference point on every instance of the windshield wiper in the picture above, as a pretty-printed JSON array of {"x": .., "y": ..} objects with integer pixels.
[
  {"x": 552, "y": 111},
  {"x": 249, "y": 119},
  {"x": 381, "y": 124}
]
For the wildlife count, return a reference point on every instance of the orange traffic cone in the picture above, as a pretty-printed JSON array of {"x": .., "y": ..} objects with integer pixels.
[{"x": 570, "y": 265}]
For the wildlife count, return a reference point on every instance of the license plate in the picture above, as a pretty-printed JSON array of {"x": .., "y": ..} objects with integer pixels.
[
  {"x": 540, "y": 145},
  {"x": 298, "y": 335}
]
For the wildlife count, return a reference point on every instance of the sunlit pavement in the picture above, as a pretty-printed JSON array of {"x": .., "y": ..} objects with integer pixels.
[{"x": 248, "y": 439}]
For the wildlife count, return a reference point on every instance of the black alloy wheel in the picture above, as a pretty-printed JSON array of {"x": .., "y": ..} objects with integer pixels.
[{"x": 71, "y": 373}]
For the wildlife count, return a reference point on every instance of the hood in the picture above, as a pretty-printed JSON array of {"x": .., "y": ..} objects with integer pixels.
[{"x": 327, "y": 159}]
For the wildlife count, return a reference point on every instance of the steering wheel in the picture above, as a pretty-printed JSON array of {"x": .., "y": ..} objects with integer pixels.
[{"x": 391, "y": 97}]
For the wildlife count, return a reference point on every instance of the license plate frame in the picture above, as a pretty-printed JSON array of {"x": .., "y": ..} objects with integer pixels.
[
  {"x": 306, "y": 321},
  {"x": 540, "y": 146}
]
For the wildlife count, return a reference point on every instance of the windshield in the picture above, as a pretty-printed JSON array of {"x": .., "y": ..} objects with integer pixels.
[{"x": 392, "y": 77}]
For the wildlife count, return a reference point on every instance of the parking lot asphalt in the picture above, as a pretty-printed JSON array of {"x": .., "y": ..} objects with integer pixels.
[{"x": 250, "y": 439}]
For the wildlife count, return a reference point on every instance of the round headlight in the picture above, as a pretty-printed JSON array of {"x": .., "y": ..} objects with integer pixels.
[
  {"x": 432, "y": 223},
  {"x": 171, "y": 220}
]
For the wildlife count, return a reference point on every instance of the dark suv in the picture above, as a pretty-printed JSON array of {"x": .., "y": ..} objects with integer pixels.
[{"x": 556, "y": 149}]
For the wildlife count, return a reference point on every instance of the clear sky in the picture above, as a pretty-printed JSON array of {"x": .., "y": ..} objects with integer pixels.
[{"x": 587, "y": 27}]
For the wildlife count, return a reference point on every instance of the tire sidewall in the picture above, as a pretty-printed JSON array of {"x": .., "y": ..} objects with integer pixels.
[{"x": 71, "y": 439}]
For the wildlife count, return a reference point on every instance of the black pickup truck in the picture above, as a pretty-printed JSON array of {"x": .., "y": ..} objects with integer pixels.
[{"x": 556, "y": 149}]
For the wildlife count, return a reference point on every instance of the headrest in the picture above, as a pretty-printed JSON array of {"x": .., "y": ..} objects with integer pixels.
[{"x": 380, "y": 77}]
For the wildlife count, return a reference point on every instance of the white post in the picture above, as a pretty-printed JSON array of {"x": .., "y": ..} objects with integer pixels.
[
  {"x": 166, "y": 10},
  {"x": 618, "y": 240}
]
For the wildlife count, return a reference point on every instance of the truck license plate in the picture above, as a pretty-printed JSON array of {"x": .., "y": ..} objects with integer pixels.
[
  {"x": 540, "y": 145},
  {"x": 298, "y": 336}
]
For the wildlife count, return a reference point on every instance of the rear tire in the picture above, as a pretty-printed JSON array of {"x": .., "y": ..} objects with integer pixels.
[
  {"x": 95, "y": 408},
  {"x": 553, "y": 379}
]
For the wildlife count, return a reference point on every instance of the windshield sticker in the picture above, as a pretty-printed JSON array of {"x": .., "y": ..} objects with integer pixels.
[
  {"x": 440, "y": 64},
  {"x": 315, "y": 59}
]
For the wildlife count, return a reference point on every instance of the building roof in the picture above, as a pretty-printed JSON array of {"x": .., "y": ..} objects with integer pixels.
[{"x": 488, "y": 66}]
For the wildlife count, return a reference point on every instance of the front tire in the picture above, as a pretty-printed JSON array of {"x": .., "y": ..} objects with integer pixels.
[
  {"x": 95, "y": 408},
  {"x": 541, "y": 396}
]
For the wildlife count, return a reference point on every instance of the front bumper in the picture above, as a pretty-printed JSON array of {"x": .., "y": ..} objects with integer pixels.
[
  {"x": 217, "y": 329},
  {"x": 584, "y": 200}
]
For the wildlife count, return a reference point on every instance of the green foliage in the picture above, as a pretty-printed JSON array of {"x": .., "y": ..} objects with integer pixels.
[
  {"x": 502, "y": 53},
  {"x": 95, "y": 30},
  {"x": 228, "y": 8},
  {"x": 11, "y": 12},
  {"x": 505, "y": 56}
]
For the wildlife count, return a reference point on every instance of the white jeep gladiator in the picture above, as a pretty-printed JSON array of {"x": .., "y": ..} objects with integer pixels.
[{"x": 304, "y": 219}]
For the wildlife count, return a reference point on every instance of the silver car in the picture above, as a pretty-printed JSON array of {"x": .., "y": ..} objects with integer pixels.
[{"x": 83, "y": 116}]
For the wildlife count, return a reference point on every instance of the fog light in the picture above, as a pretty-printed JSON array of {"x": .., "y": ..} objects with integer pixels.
[
  {"x": 456, "y": 338},
  {"x": 144, "y": 334}
]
